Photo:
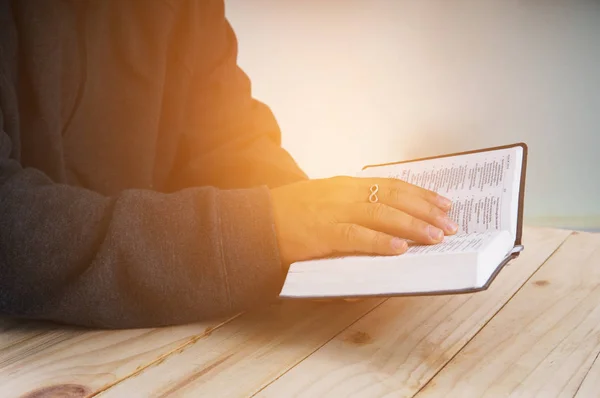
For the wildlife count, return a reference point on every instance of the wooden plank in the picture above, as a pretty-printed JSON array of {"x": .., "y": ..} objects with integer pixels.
[
  {"x": 37, "y": 358},
  {"x": 400, "y": 346},
  {"x": 591, "y": 383},
  {"x": 543, "y": 342},
  {"x": 249, "y": 353},
  {"x": 13, "y": 332},
  {"x": 240, "y": 358}
]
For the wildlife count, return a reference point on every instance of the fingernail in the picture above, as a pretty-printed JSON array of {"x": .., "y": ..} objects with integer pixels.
[
  {"x": 450, "y": 226},
  {"x": 436, "y": 233},
  {"x": 444, "y": 202},
  {"x": 399, "y": 245}
]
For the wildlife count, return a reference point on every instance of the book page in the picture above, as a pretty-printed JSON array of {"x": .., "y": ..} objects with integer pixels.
[
  {"x": 483, "y": 186},
  {"x": 460, "y": 243}
]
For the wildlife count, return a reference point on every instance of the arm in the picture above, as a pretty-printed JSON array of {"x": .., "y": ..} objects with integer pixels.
[
  {"x": 235, "y": 140},
  {"x": 136, "y": 260}
]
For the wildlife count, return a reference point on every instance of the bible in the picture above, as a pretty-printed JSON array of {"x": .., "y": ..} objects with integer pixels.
[{"x": 487, "y": 191}]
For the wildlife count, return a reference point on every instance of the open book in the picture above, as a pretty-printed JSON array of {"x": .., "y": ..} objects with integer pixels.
[{"x": 487, "y": 191}]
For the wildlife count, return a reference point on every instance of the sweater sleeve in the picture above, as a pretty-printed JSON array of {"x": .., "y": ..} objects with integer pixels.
[{"x": 139, "y": 259}]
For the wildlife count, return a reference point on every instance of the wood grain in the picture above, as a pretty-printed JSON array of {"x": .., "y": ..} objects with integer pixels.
[
  {"x": 397, "y": 348},
  {"x": 13, "y": 331},
  {"x": 248, "y": 353},
  {"x": 38, "y": 359},
  {"x": 591, "y": 384},
  {"x": 543, "y": 342}
]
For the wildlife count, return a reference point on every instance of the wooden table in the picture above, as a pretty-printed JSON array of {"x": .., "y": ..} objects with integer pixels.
[{"x": 535, "y": 332}]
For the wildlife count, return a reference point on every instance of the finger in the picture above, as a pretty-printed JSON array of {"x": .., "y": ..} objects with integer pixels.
[
  {"x": 353, "y": 238},
  {"x": 420, "y": 208},
  {"x": 398, "y": 186},
  {"x": 392, "y": 187},
  {"x": 386, "y": 219}
]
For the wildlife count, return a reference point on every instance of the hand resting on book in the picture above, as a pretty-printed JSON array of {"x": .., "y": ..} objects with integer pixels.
[
  {"x": 486, "y": 191},
  {"x": 318, "y": 218}
]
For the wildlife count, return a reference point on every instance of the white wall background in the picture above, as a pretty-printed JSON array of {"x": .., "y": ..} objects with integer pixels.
[{"x": 366, "y": 81}]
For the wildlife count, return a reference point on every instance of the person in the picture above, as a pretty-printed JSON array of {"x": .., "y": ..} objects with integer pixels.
[{"x": 142, "y": 185}]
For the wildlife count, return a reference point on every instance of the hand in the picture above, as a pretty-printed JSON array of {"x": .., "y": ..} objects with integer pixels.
[{"x": 317, "y": 218}]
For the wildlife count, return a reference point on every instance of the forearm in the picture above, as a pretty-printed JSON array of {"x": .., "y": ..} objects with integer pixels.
[{"x": 137, "y": 260}]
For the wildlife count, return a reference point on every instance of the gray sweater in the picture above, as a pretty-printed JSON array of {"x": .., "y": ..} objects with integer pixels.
[{"x": 134, "y": 165}]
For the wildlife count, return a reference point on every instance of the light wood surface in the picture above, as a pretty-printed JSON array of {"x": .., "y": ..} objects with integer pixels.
[
  {"x": 248, "y": 353},
  {"x": 544, "y": 340},
  {"x": 591, "y": 384},
  {"x": 534, "y": 332},
  {"x": 399, "y": 346},
  {"x": 13, "y": 332},
  {"x": 52, "y": 359}
]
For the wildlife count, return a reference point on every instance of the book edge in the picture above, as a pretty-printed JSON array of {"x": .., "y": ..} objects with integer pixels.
[{"x": 507, "y": 260}]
